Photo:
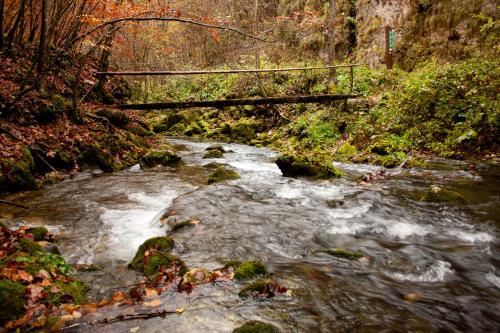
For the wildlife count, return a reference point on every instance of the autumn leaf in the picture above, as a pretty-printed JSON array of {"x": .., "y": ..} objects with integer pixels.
[
  {"x": 153, "y": 304},
  {"x": 25, "y": 276}
]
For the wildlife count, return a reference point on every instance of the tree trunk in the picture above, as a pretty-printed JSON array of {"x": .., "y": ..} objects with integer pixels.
[
  {"x": 15, "y": 25},
  {"x": 1, "y": 23},
  {"x": 42, "y": 46},
  {"x": 331, "y": 47}
]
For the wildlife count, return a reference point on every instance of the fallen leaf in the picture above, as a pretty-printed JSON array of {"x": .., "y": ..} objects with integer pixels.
[
  {"x": 180, "y": 310},
  {"x": 118, "y": 296},
  {"x": 76, "y": 315},
  {"x": 150, "y": 292},
  {"x": 55, "y": 289},
  {"x": 45, "y": 283},
  {"x": 25, "y": 276},
  {"x": 153, "y": 304},
  {"x": 134, "y": 329}
]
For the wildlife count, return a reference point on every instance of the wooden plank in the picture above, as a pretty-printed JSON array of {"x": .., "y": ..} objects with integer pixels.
[
  {"x": 230, "y": 71},
  {"x": 236, "y": 102}
]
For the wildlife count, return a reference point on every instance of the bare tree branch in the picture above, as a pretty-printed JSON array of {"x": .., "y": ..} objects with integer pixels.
[{"x": 170, "y": 19}]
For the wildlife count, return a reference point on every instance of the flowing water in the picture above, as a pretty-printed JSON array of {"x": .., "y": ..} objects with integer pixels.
[{"x": 432, "y": 267}]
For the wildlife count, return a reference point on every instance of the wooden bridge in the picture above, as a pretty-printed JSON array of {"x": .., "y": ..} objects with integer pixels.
[{"x": 243, "y": 101}]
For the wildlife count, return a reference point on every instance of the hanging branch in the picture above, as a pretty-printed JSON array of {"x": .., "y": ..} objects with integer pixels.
[{"x": 168, "y": 19}]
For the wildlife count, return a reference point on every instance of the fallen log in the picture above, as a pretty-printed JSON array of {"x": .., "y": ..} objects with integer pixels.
[{"x": 236, "y": 102}]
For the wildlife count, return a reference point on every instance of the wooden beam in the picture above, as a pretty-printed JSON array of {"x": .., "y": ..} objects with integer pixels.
[
  {"x": 231, "y": 71},
  {"x": 236, "y": 102}
]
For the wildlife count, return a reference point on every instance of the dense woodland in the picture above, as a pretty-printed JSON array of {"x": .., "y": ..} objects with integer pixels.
[{"x": 58, "y": 117}]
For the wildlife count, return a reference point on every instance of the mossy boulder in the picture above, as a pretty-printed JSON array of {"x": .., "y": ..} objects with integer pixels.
[
  {"x": 222, "y": 174},
  {"x": 259, "y": 288},
  {"x": 162, "y": 260},
  {"x": 217, "y": 147},
  {"x": 343, "y": 253},
  {"x": 163, "y": 244},
  {"x": 38, "y": 233},
  {"x": 169, "y": 122},
  {"x": 249, "y": 270},
  {"x": 94, "y": 155},
  {"x": 294, "y": 166},
  {"x": 245, "y": 130},
  {"x": 17, "y": 175},
  {"x": 439, "y": 195},
  {"x": 11, "y": 300},
  {"x": 160, "y": 157},
  {"x": 256, "y": 327},
  {"x": 213, "y": 165},
  {"x": 213, "y": 154},
  {"x": 193, "y": 128},
  {"x": 115, "y": 117}
]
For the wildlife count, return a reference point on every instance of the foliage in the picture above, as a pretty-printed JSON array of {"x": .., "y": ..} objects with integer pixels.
[{"x": 249, "y": 270}]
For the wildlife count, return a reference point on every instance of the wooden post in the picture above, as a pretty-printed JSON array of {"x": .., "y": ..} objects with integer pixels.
[
  {"x": 389, "y": 47},
  {"x": 351, "y": 71},
  {"x": 332, "y": 83}
]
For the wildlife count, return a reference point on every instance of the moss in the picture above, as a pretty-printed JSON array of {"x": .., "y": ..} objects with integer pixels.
[
  {"x": 69, "y": 292},
  {"x": 213, "y": 165},
  {"x": 11, "y": 300},
  {"x": 388, "y": 161},
  {"x": 38, "y": 233},
  {"x": 160, "y": 157},
  {"x": 232, "y": 263},
  {"x": 140, "y": 131},
  {"x": 181, "y": 225},
  {"x": 28, "y": 246},
  {"x": 51, "y": 321},
  {"x": 18, "y": 174},
  {"x": 193, "y": 128},
  {"x": 347, "y": 150},
  {"x": 169, "y": 122},
  {"x": 440, "y": 195},
  {"x": 94, "y": 155},
  {"x": 244, "y": 130},
  {"x": 264, "y": 287},
  {"x": 249, "y": 270},
  {"x": 158, "y": 243},
  {"x": 213, "y": 154},
  {"x": 256, "y": 327},
  {"x": 292, "y": 166},
  {"x": 343, "y": 253},
  {"x": 3, "y": 225},
  {"x": 163, "y": 260},
  {"x": 115, "y": 117},
  {"x": 221, "y": 174}
]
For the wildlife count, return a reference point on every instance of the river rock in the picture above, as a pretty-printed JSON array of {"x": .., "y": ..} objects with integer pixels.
[
  {"x": 222, "y": 174},
  {"x": 214, "y": 154},
  {"x": 293, "y": 166},
  {"x": 160, "y": 157},
  {"x": 343, "y": 253},
  {"x": 216, "y": 147},
  {"x": 249, "y": 270},
  {"x": 156, "y": 243},
  {"x": 439, "y": 195},
  {"x": 49, "y": 247}
]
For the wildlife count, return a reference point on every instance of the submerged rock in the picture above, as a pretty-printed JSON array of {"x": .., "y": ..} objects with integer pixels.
[
  {"x": 249, "y": 270},
  {"x": 213, "y": 165},
  {"x": 161, "y": 260},
  {"x": 343, "y": 253},
  {"x": 160, "y": 157},
  {"x": 222, "y": 174},
  {"x": 256, "y": 327},
  {"x": 440, "y": 195},
  {"x": 293, "y": 166},
  {"x": 197, "y": 276}
]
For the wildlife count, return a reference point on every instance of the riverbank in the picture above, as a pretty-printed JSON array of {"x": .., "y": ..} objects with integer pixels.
[{"x": 440, "y": 110}]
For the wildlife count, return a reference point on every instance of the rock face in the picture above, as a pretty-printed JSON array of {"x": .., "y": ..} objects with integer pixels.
[{"x": 294, "y": 166}]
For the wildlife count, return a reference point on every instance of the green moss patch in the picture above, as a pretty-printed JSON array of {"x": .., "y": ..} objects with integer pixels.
[
  {"x": 440, "y": 195},
  {"x": 164, "y": 244},
  {"x": 213, "y": 154},
  {"x": 115, "y": 117},
  {"x": 256, "y": 327},
  {"x": 11, "y": 300},
  {"x": 181, "y": 225},
  {"x": 160, "y": 157},
  {"x": 164, "y": 261},
  {"x": 249, "y": 270},
  {"x": 38, "y": 233},
  {"x": 222, "y": 174},
  {"x": 74, "y": 292}
]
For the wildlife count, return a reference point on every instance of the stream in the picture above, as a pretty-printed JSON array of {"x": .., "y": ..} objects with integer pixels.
[{"x": 432, "y": 267}]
